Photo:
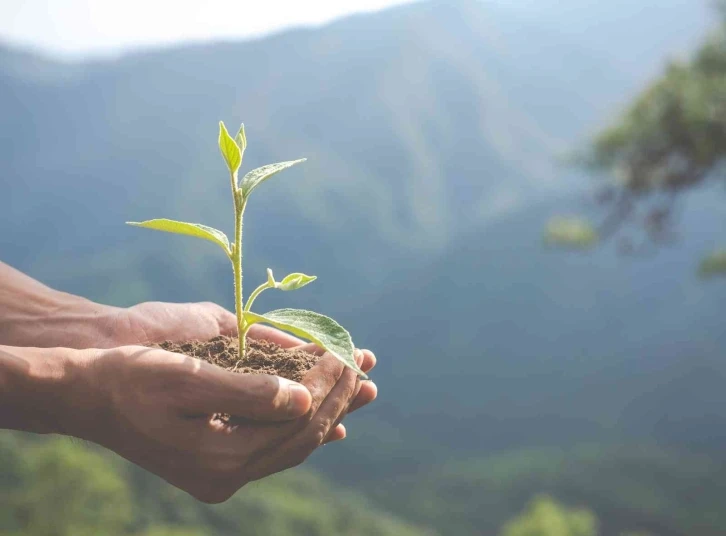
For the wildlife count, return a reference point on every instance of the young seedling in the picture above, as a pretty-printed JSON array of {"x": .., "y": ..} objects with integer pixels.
[{"x": 317, "y": 328}]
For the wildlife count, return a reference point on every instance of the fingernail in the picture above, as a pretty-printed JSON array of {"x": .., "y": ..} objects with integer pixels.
[{"x": 298, "y": 401}]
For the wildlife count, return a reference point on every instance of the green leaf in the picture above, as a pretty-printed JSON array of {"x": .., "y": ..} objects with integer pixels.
[
  {"x": 240, "y": 139},
  {"x": 570, "y": 232},
  {"x": 257, "y": 176},
  {"x": 295, "y": 281},
  {"x": 323, "y": 331},
  {"x": 229, "y": 149},
  {"x": 190, "y": 229}
]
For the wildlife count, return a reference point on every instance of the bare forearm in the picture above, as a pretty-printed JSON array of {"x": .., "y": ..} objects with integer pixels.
[
  {"x": 42, "y": 390},
  {"x": 32, "y": 314}
]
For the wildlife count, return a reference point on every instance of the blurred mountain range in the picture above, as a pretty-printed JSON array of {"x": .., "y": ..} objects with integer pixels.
[{"x": 433, "y": 133}]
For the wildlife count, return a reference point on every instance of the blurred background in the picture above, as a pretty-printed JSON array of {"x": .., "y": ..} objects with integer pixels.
[{"x": 518, "y": 205}]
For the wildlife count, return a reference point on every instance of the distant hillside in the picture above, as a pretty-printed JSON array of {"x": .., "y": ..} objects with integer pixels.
[
  {"x": 432, "y": 132},
  {"x": 502, "y": 342},
  {"x": 419, "y": 122},
  {"x": 416, "y": 122},
  {"x": 644, "y": 489}
]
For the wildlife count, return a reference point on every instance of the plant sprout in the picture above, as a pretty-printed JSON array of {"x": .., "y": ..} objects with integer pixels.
[{"x": 317, "y": 328}]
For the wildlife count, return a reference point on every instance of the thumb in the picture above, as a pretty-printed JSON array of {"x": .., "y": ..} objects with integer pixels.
[{"x": 259, "y": 397}]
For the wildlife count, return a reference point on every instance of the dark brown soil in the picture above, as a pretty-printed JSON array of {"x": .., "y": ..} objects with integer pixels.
[{"x": 263, "y": 357}]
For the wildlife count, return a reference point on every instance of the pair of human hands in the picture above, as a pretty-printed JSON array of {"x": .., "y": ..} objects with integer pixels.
[{"x": 156, "y": 408}]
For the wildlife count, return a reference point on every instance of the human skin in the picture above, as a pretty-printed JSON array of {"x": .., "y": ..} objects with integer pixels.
[{"x": 74, "y": 367}]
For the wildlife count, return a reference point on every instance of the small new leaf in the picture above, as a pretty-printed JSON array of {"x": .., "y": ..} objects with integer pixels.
[
  {"x": 317, "y": 328},
  {"x": 257, "y": 176},
  {"x": 229, "y": 149},
  {"x": 295, "y": 281},
  {"x": 241, "y": 140},
  {"x": 271, "y": 278},
  {"x": 189, "y": 229}
]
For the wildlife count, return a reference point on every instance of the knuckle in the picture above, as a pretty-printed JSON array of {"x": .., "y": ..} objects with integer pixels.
[
  {"x": 315, "y": 437},
  {"x": 319, "y": 437}
]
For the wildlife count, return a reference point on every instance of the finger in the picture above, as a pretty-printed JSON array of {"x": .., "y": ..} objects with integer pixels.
[
  {"x": 226, "y": 320},
  {"x": 346, "y": 409},
  {"x": 311, "y": 348},
  {"x": 336, "y": 434},
  {"x": 322, "y": 379},
  {"x": 367, "y": 394},
  {"x": 258, "y": 397},
  {"x": 319, "y": 381},
  {"x": 365, "y": 391},
  {"x": 157, "y": 321},
  {"x": 260, "y": 331},
  {"x": 369, "y": 361},
  {"x": 298, "y": 447},
  {"x": 330, "y": 412},
  {"x": 331, "y": 386}
]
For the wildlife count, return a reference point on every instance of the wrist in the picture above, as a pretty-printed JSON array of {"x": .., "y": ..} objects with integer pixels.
[
  {"x": 49, "y": 391},
  {"x": 57, "y": 319},
  {"x": 32, "y": 314}
]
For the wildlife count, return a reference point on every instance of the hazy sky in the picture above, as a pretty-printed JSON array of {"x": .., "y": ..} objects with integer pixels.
[{"x": 77, "y": 28}]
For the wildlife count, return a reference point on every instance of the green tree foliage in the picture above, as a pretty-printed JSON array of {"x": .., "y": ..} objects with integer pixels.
[
  {"x": 546, "y": 517},
  {"x": 64, "y": 489},
  {"x": 674, "y": 135},
  {"x": 671, "y": 139},
  {"x": 57, "y": 487}
]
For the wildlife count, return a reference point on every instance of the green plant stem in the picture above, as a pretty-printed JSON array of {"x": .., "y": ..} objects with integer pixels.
[
  {"x": 239, "y": 209},
  {"x": 255, "y": 293}
]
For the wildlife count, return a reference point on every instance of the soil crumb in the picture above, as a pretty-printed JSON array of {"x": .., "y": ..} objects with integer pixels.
[{"x": 263, "y": 357}]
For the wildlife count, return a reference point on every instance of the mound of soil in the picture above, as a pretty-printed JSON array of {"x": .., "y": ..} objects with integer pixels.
[{"x": 263, "y": 357}]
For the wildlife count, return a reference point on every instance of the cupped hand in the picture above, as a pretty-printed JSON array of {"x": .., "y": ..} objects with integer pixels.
[
  {"x": 150, "y": 322},
  {"x": 156, "y": 409}
]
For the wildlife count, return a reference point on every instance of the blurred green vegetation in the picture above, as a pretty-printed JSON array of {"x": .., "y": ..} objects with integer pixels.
[
  {"x": 570, "y": 232},
  {"x": 60, "y": 487},
  {"x": 546, "y": 517},
  {"x": 670, "y": 140},
  {"x": 674, "y": 135},
  {"x": 713, "y": 264},
  {"x": 637, "y": 487},
  {"x": 57, "y": 487}
]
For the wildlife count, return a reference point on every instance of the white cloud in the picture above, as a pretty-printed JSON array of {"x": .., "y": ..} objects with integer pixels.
[{"x": 77, "y": 28}]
